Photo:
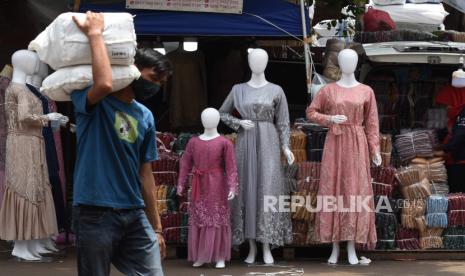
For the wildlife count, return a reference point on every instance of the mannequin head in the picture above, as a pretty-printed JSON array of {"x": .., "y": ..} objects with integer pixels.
[
  {"x": 258, "y": 60},
  {"x": 347, "y": 60},
  {"x": 24, "y": 63},
  {"x": 40, "y": 75},
  {"x": 458, "y": 78},
  {"x": 210, "y": 118}
]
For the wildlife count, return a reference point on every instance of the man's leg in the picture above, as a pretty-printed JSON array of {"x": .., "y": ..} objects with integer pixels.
[
  {"x": 95, "y": 233},
  {"x": 138, "y": 252}
]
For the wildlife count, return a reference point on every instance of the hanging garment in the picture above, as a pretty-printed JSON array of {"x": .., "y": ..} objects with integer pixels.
[
  {"x": 345, "y": 167},
  {"x": 52, "y": 162},
  {"x": 259, "y": 166},
  {"x": 4, "y": 82},
  {"x": 187, "y": 89},
  {"x": 454, "y": 99},
  {"x": 59, "y": 149},
  {"x": 27, "y": 211},
  {"x": 214, "y": 168}
]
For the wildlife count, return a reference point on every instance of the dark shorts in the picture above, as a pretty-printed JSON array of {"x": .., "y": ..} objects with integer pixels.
[{"x": 124, "y": 238}]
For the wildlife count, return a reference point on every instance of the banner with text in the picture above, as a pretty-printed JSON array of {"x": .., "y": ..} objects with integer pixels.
[{"x": 219, "y": 6}]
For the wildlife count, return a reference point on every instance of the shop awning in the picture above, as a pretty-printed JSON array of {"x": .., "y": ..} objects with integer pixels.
[{"x": 257, "y": 19}]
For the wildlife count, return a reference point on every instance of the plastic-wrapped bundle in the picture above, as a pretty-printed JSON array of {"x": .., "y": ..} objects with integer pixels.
[
  {"x": 386, "y": 224},
  {"x": 431, "y": 238},
  {"x": 454, "y": 238},
  {"x": 434, "y": 168},
  {"x": 386, "y": 205},
  {"x": 290, "y": 174},
  {"x": 440, "y": 188},
  {"x": 301, "y": 211},
  {"x": 165, "y": 140},
  {"x": 386, "y": 149},
  {"x": 383, "y": 180},
  {"x": 413, "y": 183},
  {"x": 308, "y": 176},
  {"x": 181, "y": 143},
  {"x": 397, "y": 35},
  {"x": 300, "y": 156},
  {"x": 316, "y": 137},
  {"x": 166, "y": 178},
  {"x": 436, "y": 211},
  {"x": 299, "y": 232},
  {"x": 167, "y": 162},
  {"x": 407, "y": 239},
  {"x": 298, "y": 140},
  {"x": 414, "y": 144},
  {"x": 413, "y": 214},
  {"x": 456, "y": 214}
]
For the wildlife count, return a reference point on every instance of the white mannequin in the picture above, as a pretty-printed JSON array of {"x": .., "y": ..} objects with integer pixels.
[
  {"x": 27, "y": 63},
  {"x": 210, "y": 119},
  {"x": 258, "y": 60},
  {"x": 348, "y": 60}
]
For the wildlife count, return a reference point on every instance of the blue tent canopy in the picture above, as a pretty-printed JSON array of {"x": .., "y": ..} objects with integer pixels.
[{"x": 152, "y": 22}]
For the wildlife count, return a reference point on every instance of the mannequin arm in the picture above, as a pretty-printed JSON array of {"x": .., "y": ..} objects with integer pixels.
[
  {"x": 314, "y": 111},
  {"x": 372, "y": 125},
  {"x": 225, "y": 112},
  {"x": 92, "y": 27},
  {"x": 26, "y": 115},
  {"x": 231, "y": 168},
  {"x": 186, "y": 165},
  {"x": 282, "y": 120}
]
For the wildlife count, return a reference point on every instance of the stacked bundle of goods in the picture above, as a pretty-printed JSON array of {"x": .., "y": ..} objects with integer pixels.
[
  {"x": 386, "y": 149},
  {"x": 175, "y": 227},
  {"x": 290, "y": 178},
  {"x": 308, "y": 176},
  {"x": 413, "y": 183},
  {"x": 384, "y": 180},
  {"x": 436, "y": 211},
  {"x": 166, "y": 198},
  {"x": 386, "y": 222},
  {"x": 316, "y": 137},
  {"x": 456, "y": 213},
  {"x": 299, "y": 232},
  {"x": 433, "y": 168},
  {"x": 407, "y": 239},
  {"x": 413, "y": 214},
  {"x": 431, "y": 238},
  {"x": 414, "y": 144},
  {"x": 454, "y": 238},
  {"x": 67, "y": 50},
  {"x": 298, "y": 143}
]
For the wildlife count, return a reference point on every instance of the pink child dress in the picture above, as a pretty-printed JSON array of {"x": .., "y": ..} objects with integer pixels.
[
  {"x": 345, "y": 167},
  {"x": 214, "y": 169}
]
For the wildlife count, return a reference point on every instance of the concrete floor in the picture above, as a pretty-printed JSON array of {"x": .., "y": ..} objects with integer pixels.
[{"x": 65, "y": 265}]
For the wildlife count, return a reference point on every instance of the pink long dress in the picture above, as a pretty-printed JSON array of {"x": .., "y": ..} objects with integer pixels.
[
  {"x": 345, "y": 168},
  {"x": 214, "y": 168}
]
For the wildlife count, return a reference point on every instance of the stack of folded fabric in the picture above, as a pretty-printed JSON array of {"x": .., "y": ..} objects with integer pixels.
[
  {"x": 413, "y": 214},
  {"x": 386, "y": 222},
  {"x": 433, "y": 168},
  {"x": 316, "y": 137},
  {"x": 414, "y": 144},
  {"x": 290, "y": 178},
  {"x": 302, "y": 211},
  {"x": 454, "y": 238},
  {"x": 395, "y": 35},
  {"x": 386, "y": 149},
  {"x": 165, "y": 140},
  {"x": 298, "y": 144},
  {"x": 175, "y": 227},
  {"x": 166, "y": 198},
  {"x": 308, "y": 176},
  {"x": 299, "y": 232},
  {"x": 383, "y": 180},
  {"x": 431, "y": 238},
  {"x": 407, "y": 239},
  {"x": 439, "y": 188},
  {"x": 413, "y": 183},
  {"x": 436, "y": 211},
  {"x": 456, "y": 213}
]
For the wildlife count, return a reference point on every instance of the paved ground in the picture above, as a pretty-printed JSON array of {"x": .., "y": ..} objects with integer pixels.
[{"x": 66, "y": 266}]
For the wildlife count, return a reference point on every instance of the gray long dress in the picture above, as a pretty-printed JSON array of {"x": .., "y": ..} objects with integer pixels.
[{"x": 258, "y": 160}]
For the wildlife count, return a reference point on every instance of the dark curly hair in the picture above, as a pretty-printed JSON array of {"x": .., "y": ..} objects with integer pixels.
[{"x": 149, "y": 58}]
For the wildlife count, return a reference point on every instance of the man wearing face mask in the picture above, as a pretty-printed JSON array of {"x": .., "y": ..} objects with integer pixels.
[{"x": 113, "y": 181}]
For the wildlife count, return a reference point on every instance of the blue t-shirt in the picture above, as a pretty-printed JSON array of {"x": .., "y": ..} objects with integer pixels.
[{"x": 113, "y": 140}]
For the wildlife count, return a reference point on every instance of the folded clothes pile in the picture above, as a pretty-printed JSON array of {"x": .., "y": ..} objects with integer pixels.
[
  {"x": 407, "y": 239},
  {"x": 413, "y": 183},
  {"x": 436, "y": 211},
  {"x": 383, "y": 180},
  {"x": 414, "y": 144},
  {"x": 456, "y": 213},
  {"x": 454, "y": 238}
]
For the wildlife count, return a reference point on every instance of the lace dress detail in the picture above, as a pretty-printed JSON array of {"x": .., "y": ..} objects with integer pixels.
[
  {"x": 3, "y": 130},
  {"x": 213, "y": 164},
  {"x": 345, "y": 167},
  {"x": 27, "y": 187},
  {"x": 260, "y": 171}
]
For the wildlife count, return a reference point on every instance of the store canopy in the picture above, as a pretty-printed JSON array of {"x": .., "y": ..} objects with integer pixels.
[{"x": 257, "y": 19}]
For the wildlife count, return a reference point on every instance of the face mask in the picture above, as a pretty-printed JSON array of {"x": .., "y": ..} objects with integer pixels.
[{"x": 144, "y": 89}]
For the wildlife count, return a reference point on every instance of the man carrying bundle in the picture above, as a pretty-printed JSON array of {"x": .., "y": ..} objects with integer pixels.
[{"x": 113, "y": 180}]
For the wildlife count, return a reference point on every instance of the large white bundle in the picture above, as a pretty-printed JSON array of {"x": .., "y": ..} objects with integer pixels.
[
  {"x": 431, "y": 14},
  {"x": 62, "y": 44},
  {"x": 59, "y": 85}
]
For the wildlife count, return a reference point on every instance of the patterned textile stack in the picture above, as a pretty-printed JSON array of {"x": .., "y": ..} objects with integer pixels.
[
  {"x": 431, "y": 238},
  {"x": 175, "y": 227},
  {"x": 456, "y": 213},
  {"x": 308, "y": 176},
  {"x": 386, "y": 222},
  {"x": 384, "y": 180},
  {"x": 436, "y": 211},
  {"x": 397, "y": 35},
  {"x": 414, "y": 184},
  {"x": 298, "y": 144},
  {"x": 414, "y": 144},
  {"x": 316, "y": 137},
  {"x": 413, "y": 214},
  {"x": 290, "y": 178},
  {"x": 454, "y": 238},
  {"x": 407, "y": 239}
]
